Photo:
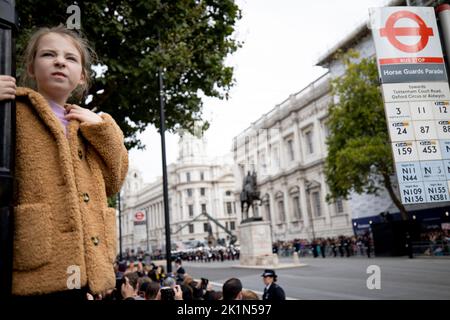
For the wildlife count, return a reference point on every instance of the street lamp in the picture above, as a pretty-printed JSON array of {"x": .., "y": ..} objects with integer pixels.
[
  {"x": 8, "y": 28},
  {"x": 162, "y": 129}
]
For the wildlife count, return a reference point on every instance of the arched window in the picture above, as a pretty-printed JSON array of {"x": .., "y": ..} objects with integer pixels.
[
  {"x": 279, "y": 198},
  {"x": 295, "y": 200}
]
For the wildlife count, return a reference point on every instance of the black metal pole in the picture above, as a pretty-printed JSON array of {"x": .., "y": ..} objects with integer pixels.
[
  {"x": 120, "y": 226},
  {"x": 7, "y": 147},
  {"x": 164, "y": 169},
  {"x": 162, "y": 130}
]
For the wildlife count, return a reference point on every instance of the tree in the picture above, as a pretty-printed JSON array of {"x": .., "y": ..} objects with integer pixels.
[
  {"x": 195, "y": 37},
  {"x": 359, "y": 152}
]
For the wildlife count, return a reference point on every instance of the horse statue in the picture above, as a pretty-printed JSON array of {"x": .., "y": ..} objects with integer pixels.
[{"x": 249, "y": 195}]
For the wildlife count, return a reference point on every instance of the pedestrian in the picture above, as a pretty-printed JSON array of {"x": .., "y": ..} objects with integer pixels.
[
  {"x": 367, "y": 244},
  {"x": 333, "y": 247},
  {"x": 180, "y": 272},
  {"x": 341, "y": 246},
  {"x": 272, "y": 291},
  {"x": 232, "y": 290},
  {"x": 323, "y": 246},
  {"x": 68, "y": 160},
  {"x": 314, "y": 249}
]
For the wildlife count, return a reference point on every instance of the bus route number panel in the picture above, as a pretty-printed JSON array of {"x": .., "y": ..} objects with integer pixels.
[{"x": 420, "y": 138}]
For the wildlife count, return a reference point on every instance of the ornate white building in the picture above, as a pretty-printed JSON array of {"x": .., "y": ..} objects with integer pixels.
[
  {"x": 287, "y": 149},
  {"x": 196, "y": 184}
]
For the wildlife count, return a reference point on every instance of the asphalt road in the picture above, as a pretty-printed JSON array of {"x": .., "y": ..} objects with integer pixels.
[{"x": 342, "y": 278}]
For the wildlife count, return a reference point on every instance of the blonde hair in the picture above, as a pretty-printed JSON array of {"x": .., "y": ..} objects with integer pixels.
[
  {"x": 249, "y": 295},
  {"x": 88, "y": 57}
]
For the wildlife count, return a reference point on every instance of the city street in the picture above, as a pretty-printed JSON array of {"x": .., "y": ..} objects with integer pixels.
[{"x": 342, "y": 278}]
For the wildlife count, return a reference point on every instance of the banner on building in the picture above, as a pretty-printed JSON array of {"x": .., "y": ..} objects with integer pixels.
[
  {"x": 140, "y": 218},
  {"x": 416, "y": 98}
]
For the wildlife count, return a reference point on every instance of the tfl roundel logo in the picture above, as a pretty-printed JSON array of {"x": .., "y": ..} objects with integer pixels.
[{"x": 392, "y": 33}]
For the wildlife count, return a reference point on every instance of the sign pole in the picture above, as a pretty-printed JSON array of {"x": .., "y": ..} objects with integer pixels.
[
  {"x": 443, "y": 12},
  {"x": 7, "y": 148}
]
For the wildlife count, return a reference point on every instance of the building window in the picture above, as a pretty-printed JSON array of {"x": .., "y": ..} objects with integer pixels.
[
  {"x": 189, "y": 192},
  {"x": 202, "y": 176},
  {"x": 262, "y": 161},
  {"x": 188, "y": 176},
  {"x": 191, "y": 210},
  {"x": 290, "y": 147},
  {"x": 339, "y": 206},
  {"x": 296, "y": 205},
  {"x": 202, "y": 191},
  {"x": 232, "y": 225},
  {"x": 228, "y": 193},
  {"x": 276, "y": 157},
  {"x": 203, "y": 207},
  {"x": 309, "y": 141},
  {"x": 326, "y": 129},
  {"x": 281, "y": 213},
  {"x": 191, "y": 228},
  {"x": 205, "y": 227},
  {"x": 226, "y": 225},
  {"x": 229, "y": 208},
  {"x": 316, "y": 203}
]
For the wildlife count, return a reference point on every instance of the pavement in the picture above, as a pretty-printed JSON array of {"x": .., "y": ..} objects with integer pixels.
[{"x": 341, "y": 278}]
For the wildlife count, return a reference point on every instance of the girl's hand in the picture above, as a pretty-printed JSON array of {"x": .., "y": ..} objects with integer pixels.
[
  {"x": 7, "y": 88},
  {"x": 81, "y": 114}
]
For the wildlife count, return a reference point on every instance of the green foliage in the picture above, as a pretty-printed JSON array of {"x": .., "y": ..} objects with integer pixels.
[
  {"x": 112, "y": 201},
  {"x": 195, "y": 39},
  {"x": 359, "y": 153}
]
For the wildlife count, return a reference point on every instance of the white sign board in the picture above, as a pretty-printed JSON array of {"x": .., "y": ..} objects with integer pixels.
[{"x": 416, "y": 96}]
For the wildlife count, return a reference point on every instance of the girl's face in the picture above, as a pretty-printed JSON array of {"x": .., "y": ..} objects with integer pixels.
[{"x": 57, "y": 67}]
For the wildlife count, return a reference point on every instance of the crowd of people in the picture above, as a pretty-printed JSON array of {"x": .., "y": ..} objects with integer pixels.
[
  {"x": 136, "y": 280},
  {"x": 209, "y": 254},
  {"x": 434, "y": 242},
  {"x": 342, "y": 246}
]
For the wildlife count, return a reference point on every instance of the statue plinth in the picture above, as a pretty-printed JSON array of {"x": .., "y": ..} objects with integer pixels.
[
  {"x": 252, "y": 219},
  {"x": 255, "y": 240}
]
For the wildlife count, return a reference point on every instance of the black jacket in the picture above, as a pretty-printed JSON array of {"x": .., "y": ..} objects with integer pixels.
[{"x": 275, "y": 293}]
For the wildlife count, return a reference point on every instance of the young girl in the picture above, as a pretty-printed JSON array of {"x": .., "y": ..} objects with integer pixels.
[{"x": 68, "y": 160}]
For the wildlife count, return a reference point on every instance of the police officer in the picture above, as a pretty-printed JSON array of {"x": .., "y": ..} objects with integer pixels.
[{"x": 272, "y": 291}]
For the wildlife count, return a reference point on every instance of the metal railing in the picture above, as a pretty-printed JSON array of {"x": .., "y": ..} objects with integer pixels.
[{"x": 438, "y": 248}]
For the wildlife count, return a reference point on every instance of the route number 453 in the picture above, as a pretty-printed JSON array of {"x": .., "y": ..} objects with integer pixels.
[{"x": 429, "y": 149}]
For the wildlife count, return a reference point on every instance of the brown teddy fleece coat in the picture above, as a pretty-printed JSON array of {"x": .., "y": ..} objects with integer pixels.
[{"x": 62, "y": 222}]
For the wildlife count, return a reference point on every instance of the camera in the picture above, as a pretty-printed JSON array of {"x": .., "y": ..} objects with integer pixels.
[
  {"x": 167, "y": 294},
  {"x": 204, "y": 283}
]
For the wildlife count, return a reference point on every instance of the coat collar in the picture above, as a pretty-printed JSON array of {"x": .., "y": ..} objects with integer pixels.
[{"x": 41, "y": 105}]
